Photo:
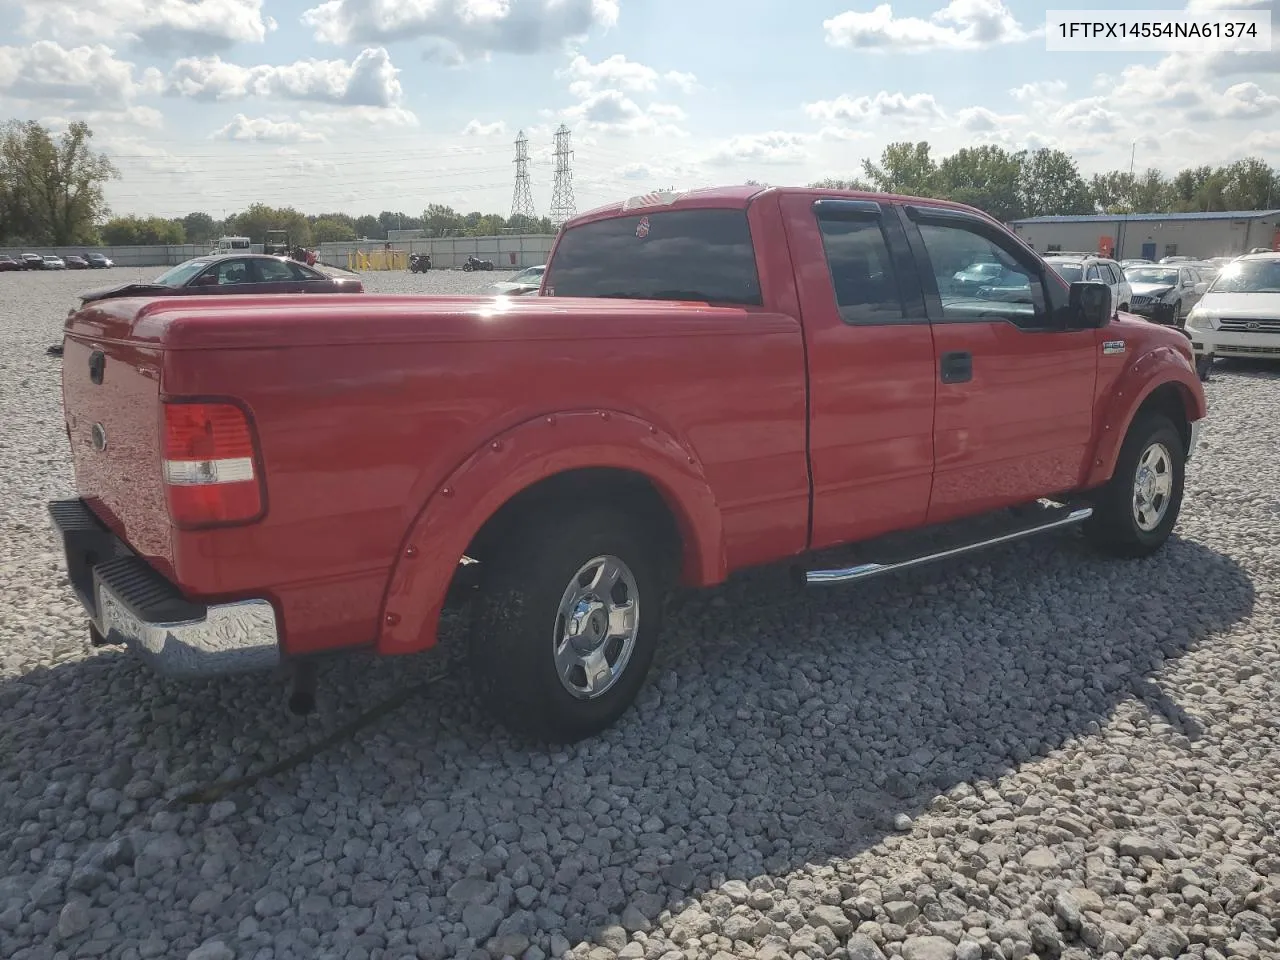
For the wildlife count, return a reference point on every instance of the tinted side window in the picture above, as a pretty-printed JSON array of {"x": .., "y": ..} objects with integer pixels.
[
  {"x": 862, "y": 275},
  {"x": 304, "y": 273},
  {"x": 1012, "y": 294},
  {"x": 704, "y": 255},
  {"x": 273, "y": 271},
  {"x": 232, "y": 271}
]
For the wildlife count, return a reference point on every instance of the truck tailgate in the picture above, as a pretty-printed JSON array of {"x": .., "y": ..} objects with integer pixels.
[{"x": 111, "y": 399}]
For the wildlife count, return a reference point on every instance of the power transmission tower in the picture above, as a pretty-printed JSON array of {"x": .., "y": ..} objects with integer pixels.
[
  {"x": 562, "y": 203},
  {"x": 522, "y": 201}
]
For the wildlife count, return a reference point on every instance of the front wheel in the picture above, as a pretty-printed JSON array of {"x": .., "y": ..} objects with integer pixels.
[
  {"x": 1134, "y": 513},
  {"x": 566, "y": 623},
  {"x": 467, "y": 268}
]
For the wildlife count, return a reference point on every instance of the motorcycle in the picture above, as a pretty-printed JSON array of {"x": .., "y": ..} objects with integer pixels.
[
  {"x": 419, "y": 262},
  {"x": 475, "y": 263}
]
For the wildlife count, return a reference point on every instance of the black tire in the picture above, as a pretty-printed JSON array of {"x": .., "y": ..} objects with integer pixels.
[
  {"x": 516, "y": 621},
  {"x": 1115, "y": 528},
  {"x": 1204, "y": 367}
]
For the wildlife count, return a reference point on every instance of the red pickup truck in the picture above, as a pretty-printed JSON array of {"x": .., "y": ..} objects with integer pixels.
[{"x": 709, "y": 381}]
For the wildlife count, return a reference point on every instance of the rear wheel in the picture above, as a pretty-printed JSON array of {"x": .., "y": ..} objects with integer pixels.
[
  {"x": 1135, "y": 512},
  {"x": 566, "y": 623}
]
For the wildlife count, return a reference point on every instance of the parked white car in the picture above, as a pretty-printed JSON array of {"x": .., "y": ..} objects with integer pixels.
[
  {"x": 1239, "y": 315},
  {"x": 1073, "y": 268},
  {"x": 525, "y": 282}
]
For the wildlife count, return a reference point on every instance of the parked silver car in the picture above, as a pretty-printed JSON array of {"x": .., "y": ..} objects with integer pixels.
[
  {"x": 1165, "y": 292},
  {"x": 1072, "y": 268}
]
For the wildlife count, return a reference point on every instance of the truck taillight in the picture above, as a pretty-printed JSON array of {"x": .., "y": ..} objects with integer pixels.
[{"x": 210, "y": 477}]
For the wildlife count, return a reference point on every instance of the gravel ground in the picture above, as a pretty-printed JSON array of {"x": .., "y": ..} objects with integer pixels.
[{"x": 1030, "y": 754}]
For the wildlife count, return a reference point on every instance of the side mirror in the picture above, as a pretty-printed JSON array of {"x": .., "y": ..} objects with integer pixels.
[{"x": 1090, "y": 304}]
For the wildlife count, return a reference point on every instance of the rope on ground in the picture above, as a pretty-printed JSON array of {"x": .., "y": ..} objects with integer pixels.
[{"x": 210, "y": 792}]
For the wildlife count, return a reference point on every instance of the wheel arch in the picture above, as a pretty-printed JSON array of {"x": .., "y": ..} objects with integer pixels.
[
  {"x": 546, "y": 463},
  {"x": 1161, "y": 380}
]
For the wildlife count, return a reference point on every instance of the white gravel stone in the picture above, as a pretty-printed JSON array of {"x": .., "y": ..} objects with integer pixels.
[{"x": 1028, "y": 752}]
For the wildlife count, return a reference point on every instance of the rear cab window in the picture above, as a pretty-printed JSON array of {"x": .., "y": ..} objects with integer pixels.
[{"x": 704, "y": 255}]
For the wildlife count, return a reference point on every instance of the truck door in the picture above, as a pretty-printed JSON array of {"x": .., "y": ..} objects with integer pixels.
[
  {"x": 871, "y": 367},
  {"x": 1015, "y": 388}
]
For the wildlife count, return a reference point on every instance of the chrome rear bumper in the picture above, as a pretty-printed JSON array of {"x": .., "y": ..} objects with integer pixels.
[{"x": 129, "y": 603}]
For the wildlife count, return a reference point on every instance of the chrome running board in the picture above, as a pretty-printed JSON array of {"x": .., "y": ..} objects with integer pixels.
[{"x": 864, "y": 571}]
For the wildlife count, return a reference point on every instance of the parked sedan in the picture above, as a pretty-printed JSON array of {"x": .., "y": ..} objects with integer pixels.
[
  {"x": 54, "y": 263},
  {"x": 526, "y": 281},
  {"x": 32, "y": 261},
  {"x": 8, "y": 263},
  {"x": 1164, "y": 293},
  {"x": 1239, "y": 316},
  {"x": 98, "y": 261},
  {"x": 232, "y": 274},
  {"x": 76, "y": 263}
]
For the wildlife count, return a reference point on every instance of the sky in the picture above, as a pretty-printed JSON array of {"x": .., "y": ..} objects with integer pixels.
[{"x": 367, "y": 105}]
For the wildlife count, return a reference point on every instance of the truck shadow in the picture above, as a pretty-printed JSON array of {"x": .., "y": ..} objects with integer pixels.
[{"x": 779, "y": 728}]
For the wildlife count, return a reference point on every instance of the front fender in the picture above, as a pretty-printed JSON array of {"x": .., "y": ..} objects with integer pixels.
[
  {"x": 1155, "y": 368},
  {"x": 515, "y": 460}
]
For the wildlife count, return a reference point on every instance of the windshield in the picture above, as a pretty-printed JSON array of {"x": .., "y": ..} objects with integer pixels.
[
  {"x": 1070, "y": 272},
  {"x": 531, "y": 275},
  {"x": 702, "y": 255},
  {"x": 1249, "y": 276},
  {"x": 177, "y": 276},
  {"x": 1151, "y": 275}
]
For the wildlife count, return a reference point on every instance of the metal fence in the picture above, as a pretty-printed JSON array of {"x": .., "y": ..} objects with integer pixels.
[{"x": 508, "y": 253}]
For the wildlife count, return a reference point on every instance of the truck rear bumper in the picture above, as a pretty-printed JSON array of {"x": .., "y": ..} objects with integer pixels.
[{"x": 128, "y": 602}]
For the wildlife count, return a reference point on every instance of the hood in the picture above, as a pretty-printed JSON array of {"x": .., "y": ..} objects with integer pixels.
[
  {"x": 1258, "y": 306},
  {"x": 1150, "y": 289},
  {"x": 130, "y": 289}
]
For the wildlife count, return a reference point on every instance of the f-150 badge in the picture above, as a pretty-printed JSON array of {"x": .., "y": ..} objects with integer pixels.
[{"x": 1112, "y": 347}]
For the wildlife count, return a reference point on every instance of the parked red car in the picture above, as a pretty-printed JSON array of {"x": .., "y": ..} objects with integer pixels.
[
  {"x": 708, "y": 382},
  {"x": 242, "y": 274}
]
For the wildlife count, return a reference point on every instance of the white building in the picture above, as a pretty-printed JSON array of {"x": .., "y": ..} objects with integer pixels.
[{"x": 1154, "y": 235}]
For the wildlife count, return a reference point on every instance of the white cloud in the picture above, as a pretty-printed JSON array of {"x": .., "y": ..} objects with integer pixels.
[
  {"x": 369, "y": 80},
  {"x": 613, "y": 112},
  {"x": 606, "y": 92},
  {"x": 478, "y": 129},
  {"x": 960, "y": 25},
  {"x": 1089, "y": 115},
  {"x": 982, "y": 120},
  {"x": 148, "y": 118},
  {"x": 375, "y": 118},
  {"x": 88, "y": 76},
  {"x": 1242, "y": 101},
  {"x": 899, "y": 106},
  {"x": 774, "y": 147},
  {"x": 163, "y": 26},
  {"x": 467, "y": 27},
  {"x": 1039, "y": 91},
  {"x": 266, "y": 129}
]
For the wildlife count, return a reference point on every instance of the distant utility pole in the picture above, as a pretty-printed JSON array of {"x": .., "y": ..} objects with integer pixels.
[
  {"x": 522, "y": 200},
  {"x": 562, "y": 203}
]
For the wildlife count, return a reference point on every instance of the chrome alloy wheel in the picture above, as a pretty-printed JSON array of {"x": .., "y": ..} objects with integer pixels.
[
  {"x": 1152, "y": 486},
  {"x": 596, "y": 627}
]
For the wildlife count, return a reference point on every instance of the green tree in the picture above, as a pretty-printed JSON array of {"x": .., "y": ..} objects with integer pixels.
[
  {"x": 439, "y": 220},
  {"x": 259, "y": 218},
  {"x": 331, "y": 230},
  {"x": 1250, "y": 184},
  {"x": 52, "y": 187},
  {"x": 904, "y": 167},
  {"x": 200, "y": 228},
  {"x": 1198, "y": 189},
  {"x": 369, "y": 227},
  {"x": 1052, "y": 184},
  {"x": 986, "y": 177},
  {"x": 130, "y": 231},
  {"x": 835, "y": 183}
]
